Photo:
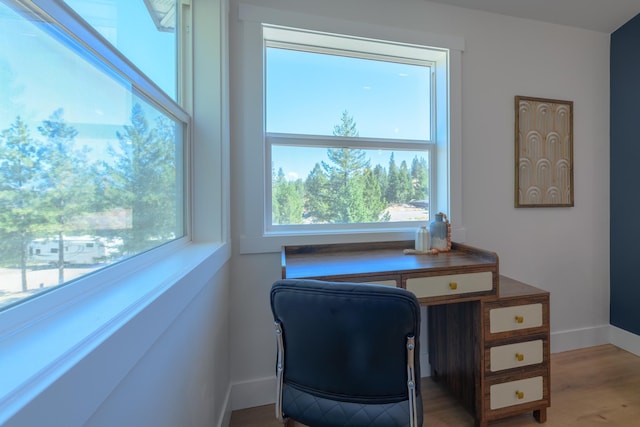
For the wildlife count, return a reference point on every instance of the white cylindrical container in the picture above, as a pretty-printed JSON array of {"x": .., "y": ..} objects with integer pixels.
[{"x": 423, "y": 239}]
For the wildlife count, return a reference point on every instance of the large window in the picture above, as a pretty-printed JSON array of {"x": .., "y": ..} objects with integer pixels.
[
  {"x": 344, "y": 131},
  {"x": 92, "y": 151},
  {"x": 352, "y": 132}
]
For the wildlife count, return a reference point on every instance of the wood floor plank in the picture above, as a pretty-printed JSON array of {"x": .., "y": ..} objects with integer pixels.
[{"x": 591, "y": 387}]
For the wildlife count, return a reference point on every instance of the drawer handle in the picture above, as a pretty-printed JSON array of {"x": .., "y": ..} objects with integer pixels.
[
  {"x": 520, "y": 357},
  {"x": 519, "y": 319},
  {"x": 453, "y": 285},
  {"x": 520, "y": 394}
]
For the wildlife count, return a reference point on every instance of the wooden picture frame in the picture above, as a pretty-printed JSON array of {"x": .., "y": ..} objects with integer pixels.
[{"x": 543, "y": 152}]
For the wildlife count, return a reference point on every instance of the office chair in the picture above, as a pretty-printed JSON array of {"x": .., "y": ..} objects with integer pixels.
[{"x": 347, "y": 354}]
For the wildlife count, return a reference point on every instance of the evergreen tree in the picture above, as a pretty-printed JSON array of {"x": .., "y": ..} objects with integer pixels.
[
  {"x": 344, "y": 189},
  {"x": 67, "y": 188},
  {"x": 346, "y": 163},
  {"x": 20, "y": 186},
  {"x": 317, "y": 198},
  {"x": 374, "y": 200},
  {"x": 405, "y": 187},
  {"x": 347, "y": 126},
  {"x": 143, "y": 179},
  {"x": 420, "y": 177},
  {"x": 380, "y": 175},
  {"x": 346, "y": 166},
  {"x": 393, "y": 182},
  {"x": 287, "y": 200}
]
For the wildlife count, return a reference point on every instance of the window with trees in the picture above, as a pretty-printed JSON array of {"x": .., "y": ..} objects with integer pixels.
[
  {"x": 355, "y": 129},
  {"x": 91, "y": 149}
]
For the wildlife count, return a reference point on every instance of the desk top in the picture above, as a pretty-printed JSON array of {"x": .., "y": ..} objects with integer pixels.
[
  {"x": 514, "y": 289},
  {"x": 362, "y": 259}
]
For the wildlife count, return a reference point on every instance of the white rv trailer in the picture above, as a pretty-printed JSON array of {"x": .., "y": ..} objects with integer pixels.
[{"x": 77, "y": 250}]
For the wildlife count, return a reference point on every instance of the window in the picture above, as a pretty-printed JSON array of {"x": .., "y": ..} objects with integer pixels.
[
  {"x": 314, "y": 91},
  {"x": 351, "y": 130},
  {"x": 92, "y": 151}
]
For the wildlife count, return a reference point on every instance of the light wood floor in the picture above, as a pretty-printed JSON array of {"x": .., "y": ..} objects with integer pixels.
[{"x": 596, "y": 386}]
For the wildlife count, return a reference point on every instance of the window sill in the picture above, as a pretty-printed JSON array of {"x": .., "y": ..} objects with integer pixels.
[
  {"x": 37, "y": 349},
  {"x": 273, "y": 242}
]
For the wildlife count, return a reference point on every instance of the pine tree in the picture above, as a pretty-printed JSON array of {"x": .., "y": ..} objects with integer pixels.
[
  {"x": 68, "y": 189},
  {"x": 20, "y": 186},
  {"x": 393, "y": 182},
  {"x": 405, "y": 188},
  {"x": 287, "y": 200},
  {"x": 317, "y": 199},
  {"x": 344, "y": 189},
  {"x": 143, "y": 178},
  {"x": 420, "y": 178},
  {"x": 347, "y": 126},
  {"x": 380, "y": 175},
  {"x": 374, "y": 200},
  {"x": 346, "y": 167}
]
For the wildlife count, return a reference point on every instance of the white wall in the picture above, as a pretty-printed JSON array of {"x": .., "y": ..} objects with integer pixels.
[
  {"x": 182, "y": 380},
  {"x": 563, "y": 250},
  {"x": 163, "y": 362}
]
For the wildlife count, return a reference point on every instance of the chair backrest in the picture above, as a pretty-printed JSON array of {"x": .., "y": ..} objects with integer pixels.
[{"x": 344, "y": 345}]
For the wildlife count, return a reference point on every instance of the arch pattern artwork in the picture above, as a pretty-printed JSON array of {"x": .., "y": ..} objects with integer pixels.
[{"x": 544, "y": 152}]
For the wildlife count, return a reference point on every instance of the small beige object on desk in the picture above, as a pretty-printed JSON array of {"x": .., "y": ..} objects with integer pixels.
[{"x": 425, "y": 249}]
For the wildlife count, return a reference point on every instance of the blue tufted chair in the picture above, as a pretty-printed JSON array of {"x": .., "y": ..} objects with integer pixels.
[{"x": 348, "y": 354}]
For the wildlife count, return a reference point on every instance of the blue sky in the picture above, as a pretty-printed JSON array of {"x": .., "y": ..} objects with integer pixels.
[
  {"x": 50, "y": 76},
  {"x": 307, "y": 93}
]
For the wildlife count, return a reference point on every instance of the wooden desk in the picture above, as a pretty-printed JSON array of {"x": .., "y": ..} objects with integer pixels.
[{"x": 488, "y": 334}]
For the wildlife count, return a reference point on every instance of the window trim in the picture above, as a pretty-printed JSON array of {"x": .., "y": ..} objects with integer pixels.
[{"x": 251, "y": 127}]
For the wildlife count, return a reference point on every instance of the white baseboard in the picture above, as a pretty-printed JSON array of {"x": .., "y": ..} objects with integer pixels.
[
  {"x": 247, "y": 394},
  {"x": 625, "y": 340},
  {"x": 579, "y": 338},
  {"x": 250, "y": 393}
]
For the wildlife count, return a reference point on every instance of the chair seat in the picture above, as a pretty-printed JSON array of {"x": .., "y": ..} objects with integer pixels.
[{"x": 319, "y": 412}]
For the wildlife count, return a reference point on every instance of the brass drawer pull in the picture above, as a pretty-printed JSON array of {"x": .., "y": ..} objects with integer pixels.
[
  {"x": 519, "y": 394},
  {"x": 453, "y": 285},
  {"x": 520, "y": 357},
  {"x": 519, "y": 319}
]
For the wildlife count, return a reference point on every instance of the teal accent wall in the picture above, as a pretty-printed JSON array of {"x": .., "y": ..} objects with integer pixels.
[{"x": 625, "y": 177}]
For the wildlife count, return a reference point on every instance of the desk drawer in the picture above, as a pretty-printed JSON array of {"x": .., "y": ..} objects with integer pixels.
[
  {"x": 516, "y": 355},
  {"x": 451, "y": 284},
  {"x": 516, "y": 392},
  {"x": 515, "y": 318}
]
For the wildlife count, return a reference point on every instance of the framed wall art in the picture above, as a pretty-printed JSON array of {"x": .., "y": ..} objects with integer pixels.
[{"x": 544, "y": 152}]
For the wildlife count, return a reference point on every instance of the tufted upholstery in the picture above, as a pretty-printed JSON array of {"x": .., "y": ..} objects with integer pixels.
[{"x": 344, "y": 353}]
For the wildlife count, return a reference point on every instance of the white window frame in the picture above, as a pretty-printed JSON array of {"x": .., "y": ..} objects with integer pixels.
[
  {"x": 309, "y": 41},
  {"x": 88, "y": 37},
  {"x": 256, "y": 234}
]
